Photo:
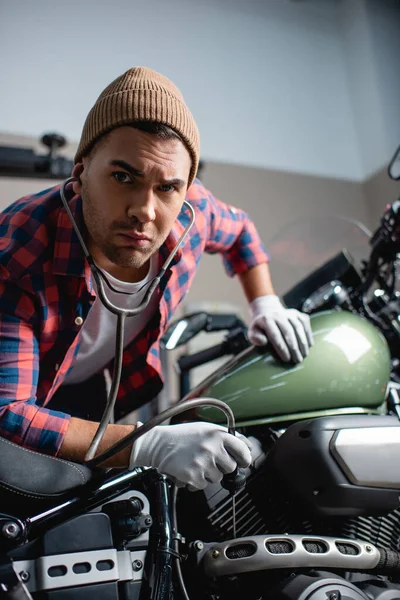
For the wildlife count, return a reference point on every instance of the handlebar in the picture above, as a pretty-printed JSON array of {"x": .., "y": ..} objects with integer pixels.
[
  {"x": 190, "y": 361},
  {"x": 218, "y": 322},
  {"x": 235, "y": 342}
]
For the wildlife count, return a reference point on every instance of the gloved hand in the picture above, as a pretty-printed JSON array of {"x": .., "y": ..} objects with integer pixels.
[
  {"x": 192, "y": 454},
  {"x": 288, "y": 330}
]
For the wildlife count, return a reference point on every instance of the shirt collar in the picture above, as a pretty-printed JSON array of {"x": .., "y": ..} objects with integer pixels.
[
  {"x": 180, "y": 224},
  {"x": 168, "y": 247}
]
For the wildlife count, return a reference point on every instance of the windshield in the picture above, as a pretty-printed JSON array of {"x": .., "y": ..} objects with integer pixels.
[{"x": 304, "y": 245}]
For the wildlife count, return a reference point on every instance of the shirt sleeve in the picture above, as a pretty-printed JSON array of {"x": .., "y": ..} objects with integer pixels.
[
  {"x": 22, "y": 421},
  {"x": 233, "y": 234}
]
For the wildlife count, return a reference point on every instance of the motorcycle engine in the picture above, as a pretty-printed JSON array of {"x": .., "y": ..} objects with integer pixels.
[
  {"x": 271, "y": 504},
  {"x": 326, "y": 586}
]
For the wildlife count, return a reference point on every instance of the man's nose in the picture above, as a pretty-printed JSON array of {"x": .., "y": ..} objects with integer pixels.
[{"x": 142, "y": 206}]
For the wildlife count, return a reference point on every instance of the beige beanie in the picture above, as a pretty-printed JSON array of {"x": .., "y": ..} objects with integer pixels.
[{"x": 141, "y": 94}]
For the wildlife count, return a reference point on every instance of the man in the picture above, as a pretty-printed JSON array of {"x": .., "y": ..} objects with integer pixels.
[{"x": 134, "y": 167}]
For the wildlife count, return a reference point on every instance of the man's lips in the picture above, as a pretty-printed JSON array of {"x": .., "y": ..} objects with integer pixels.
[
  {"x": 136, "y": 239},
  {"x": 135, "y": 236}
]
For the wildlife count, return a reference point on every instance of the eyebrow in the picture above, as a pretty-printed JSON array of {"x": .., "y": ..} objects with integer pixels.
[
  {"x": 124, "y": 165},
  {"x": 136, "y": 173}
]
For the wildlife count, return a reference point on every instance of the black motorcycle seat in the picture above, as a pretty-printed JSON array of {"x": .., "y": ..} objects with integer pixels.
[{"x": 30, "y": 480}]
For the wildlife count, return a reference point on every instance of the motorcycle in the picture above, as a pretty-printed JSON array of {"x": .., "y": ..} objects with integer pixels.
[{"x": 316, "y": 516}]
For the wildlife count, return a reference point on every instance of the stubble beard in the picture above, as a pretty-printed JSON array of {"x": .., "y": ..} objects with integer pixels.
[
  {"x": 127, "y": 258},
  {"x": 100, "y": 234}
]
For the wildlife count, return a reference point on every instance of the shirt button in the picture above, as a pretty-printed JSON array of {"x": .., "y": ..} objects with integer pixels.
[{"x": 78, "y": 321}]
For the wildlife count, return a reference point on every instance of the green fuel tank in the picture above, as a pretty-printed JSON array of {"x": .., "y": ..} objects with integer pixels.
[{"x": 347, "y": 371}]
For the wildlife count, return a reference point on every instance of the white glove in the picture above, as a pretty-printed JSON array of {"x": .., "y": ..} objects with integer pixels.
[
  {"x": 288, "y": 330},
  {"x": 192, "y": 454}
]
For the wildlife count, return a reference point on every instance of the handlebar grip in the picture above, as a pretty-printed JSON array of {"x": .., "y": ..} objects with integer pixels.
[
  {"x": 186, "y": 363},
  {"x": 218, "y": 322}
]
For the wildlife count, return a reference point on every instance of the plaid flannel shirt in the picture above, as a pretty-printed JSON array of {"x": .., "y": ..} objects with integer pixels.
[{"x": 46, "y": 292}]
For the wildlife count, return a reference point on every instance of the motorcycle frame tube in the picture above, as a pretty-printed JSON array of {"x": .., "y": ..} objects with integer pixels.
[
  {"x": 160, "y": 557},
  {"x": 88, "y": 499}
]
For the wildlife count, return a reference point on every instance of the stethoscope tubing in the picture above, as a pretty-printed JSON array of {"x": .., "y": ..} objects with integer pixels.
[{"x": 121, "y": 313}]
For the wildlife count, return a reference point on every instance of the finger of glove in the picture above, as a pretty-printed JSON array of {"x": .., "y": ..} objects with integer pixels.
[
  {"x": 240, "y": 436},
  {"x": 225, "y": 462},
  {"x": 201, "y": 477},
  {"x": 276, "y": 338},
  {"x": 239, "y": 451},
  {"x": 307, "y": 328},
  {"x": 196, "y": 480},
  {"x": 289, "y": 335},
  {"x": 257, "y": 337},
  {"x": 178, "y": 482},
  {"x": 298, "y": 327},
  {"x": 244, "y": 439},
  {"x": 194, "y": 488}
]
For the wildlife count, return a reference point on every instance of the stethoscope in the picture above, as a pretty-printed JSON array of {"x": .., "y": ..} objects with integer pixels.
[{"x": 121, "y": 313}]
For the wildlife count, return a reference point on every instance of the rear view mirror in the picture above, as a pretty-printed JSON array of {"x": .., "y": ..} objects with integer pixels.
[
  {"x": 182, "y": 331},
  {"x": 394, "y": 166}
]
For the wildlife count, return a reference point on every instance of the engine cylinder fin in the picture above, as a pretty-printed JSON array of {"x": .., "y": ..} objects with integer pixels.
[{"x": 383, "y": 531}]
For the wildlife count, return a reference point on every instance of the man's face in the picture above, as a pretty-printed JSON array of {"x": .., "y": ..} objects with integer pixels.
[{"x": 132, "y": 185}]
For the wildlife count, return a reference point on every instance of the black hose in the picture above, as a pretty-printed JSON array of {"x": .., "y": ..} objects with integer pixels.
[{"x": 389, "y": 562}]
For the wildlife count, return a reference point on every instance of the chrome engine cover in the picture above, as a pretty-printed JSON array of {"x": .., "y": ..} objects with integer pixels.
[{"x": 369, "y": 456}]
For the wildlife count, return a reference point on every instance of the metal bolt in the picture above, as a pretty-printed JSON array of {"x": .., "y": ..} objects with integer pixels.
[
  {"x": 25, "y": 576},
  {"x": 148, "y": 521},
  {"x": 199, "y": 546},
  {"x": 216, "y": 553},
  {"x": 10, "y": 530},
  {"x": 137, "y": 565},
  {"x": 334, "y": 596},
  {"x": 368, "y": 548}
]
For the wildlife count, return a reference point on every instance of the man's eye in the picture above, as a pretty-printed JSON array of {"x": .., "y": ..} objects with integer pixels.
[
  {"x": 167, "y": 188},
  {"x": 122, "y": 177}
]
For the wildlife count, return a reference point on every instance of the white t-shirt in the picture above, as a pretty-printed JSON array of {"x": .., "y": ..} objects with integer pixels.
[{"x": 97, "y": 336}]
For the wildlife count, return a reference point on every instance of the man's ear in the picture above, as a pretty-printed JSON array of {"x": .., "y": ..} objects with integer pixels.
[{"x": 77, "y": 172}]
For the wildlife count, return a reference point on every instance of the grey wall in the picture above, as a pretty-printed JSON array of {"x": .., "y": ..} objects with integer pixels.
[
  {"x": 275, "y": 200},
  {"x": 265, "y": 80}
]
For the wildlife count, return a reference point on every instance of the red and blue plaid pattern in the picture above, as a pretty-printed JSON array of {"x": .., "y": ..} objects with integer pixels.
[{"x": 46, "y": 283}]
